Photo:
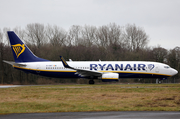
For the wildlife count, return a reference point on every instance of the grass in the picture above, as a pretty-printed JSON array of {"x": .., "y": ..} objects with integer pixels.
[{"x": 75, "y": 98}]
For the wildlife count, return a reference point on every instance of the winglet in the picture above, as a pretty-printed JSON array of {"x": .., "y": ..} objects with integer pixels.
[{"x": 65, "y": 63}]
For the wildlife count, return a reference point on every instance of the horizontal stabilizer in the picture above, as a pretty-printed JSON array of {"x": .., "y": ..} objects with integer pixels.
[{"x": 14, "y": 63}]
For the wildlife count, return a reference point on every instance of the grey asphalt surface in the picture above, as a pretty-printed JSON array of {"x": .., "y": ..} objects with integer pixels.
[
  {"x": 96, "y": 115},
  {"x": 9, "y": 86}
]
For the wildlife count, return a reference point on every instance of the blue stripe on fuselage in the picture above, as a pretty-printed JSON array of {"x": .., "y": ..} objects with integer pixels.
[{"x": 71, "y": 74}]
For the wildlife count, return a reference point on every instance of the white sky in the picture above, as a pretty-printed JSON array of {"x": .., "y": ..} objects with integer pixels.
[{"x": 159, "y": 18}]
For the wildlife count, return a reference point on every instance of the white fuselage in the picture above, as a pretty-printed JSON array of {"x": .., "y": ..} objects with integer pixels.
[{"x": 125, "y": 69}]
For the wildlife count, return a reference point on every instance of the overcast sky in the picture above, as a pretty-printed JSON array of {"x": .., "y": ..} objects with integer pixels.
[{"x": 159, "y": 18}]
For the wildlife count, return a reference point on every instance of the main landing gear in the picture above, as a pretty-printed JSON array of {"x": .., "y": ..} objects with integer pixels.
[
  {"x": 158, "y": 81},
  {"x": 91, "y": 81}
]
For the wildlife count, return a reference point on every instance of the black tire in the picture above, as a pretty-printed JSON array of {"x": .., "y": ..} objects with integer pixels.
[{"x": 91, "y": 81}]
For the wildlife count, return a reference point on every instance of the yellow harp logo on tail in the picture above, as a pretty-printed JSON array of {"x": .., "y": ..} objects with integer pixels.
[{"x": 18, "y": 49}]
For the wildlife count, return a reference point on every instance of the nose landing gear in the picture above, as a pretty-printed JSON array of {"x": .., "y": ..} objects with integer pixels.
[
  {"x": 158, "y": 81},
  {"x": 91, "y": 81}
]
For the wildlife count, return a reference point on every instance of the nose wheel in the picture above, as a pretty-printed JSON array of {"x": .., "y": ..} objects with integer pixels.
[
  {"x": 91, "y": 81},
  {"x": 158, "y": 81}
]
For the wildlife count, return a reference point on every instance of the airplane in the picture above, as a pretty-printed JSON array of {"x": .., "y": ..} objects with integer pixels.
[{"x": 106, "y": 71}]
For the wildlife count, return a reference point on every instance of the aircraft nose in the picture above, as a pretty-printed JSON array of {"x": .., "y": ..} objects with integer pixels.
[{"x": 174, "y": 72}]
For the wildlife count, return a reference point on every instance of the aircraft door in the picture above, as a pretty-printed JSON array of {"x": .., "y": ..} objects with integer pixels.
[
  {"x": 38, "y": 68},
  {"x": 157, "y": 68}
]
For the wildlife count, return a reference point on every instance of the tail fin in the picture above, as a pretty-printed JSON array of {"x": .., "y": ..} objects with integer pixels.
[{"x": 20, "y": 51}]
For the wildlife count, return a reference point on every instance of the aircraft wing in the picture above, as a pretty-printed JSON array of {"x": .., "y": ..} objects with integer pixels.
[
  {"x": 14, "y": 63},
  {"x": 88, "y": 72},
  {"x": 81, "y": 72}
]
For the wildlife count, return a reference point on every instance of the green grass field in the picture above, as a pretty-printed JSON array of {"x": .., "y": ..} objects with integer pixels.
[{"x": 75, "y": 98}]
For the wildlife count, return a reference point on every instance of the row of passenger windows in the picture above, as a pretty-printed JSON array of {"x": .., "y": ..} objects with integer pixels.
[{"x": 66, "y": 68}]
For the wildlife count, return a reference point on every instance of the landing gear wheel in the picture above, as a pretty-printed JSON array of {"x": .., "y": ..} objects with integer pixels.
[{"x": 91, "y": 81}]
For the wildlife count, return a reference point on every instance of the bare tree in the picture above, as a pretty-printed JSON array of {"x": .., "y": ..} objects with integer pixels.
[
  {"x": 74, "y": 35},
  {"x": 159, "y": 54},
  {"x": 1, "y": 37},
  {"x": 102, "y": 36},
  {"x": 20, "y": 32},
  {"x": 114, "y": 34},
  {"x": 36, "y": 34},
  {"x": 174, "y": 59},
  {"x": 1, "y": 57},
  {"x": 136, "y": 37},
  {"x": 5, "y": 38},
  {"x": 108, "y": 35},
  {"x": 56, "y": 35},
  {"x": 88, "y": 35}
]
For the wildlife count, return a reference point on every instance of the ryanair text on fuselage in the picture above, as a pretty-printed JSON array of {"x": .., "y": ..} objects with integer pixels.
[{"x": 122, "y": 67}]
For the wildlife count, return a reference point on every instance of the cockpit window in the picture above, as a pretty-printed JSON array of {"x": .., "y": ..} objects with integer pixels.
[{"x": 166, "y": 67}]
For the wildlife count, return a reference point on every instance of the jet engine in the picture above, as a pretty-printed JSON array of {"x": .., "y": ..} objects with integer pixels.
[{"x": 108, "y": 77}]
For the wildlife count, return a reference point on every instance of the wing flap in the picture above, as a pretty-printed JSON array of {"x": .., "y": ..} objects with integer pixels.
[{"x": 88, "y": 72}]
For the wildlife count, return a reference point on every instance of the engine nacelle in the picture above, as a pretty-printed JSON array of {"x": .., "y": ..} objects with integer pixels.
[{"x": 108, "y": 77}]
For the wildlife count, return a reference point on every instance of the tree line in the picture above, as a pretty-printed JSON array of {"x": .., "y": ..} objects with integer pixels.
[{"x": 110, "y": 42}]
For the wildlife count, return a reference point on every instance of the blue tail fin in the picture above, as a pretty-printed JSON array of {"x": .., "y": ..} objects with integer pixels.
[{"x": 20, "y": 51}]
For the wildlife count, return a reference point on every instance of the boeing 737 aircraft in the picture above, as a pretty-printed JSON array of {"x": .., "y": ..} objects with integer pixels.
[{"x": 106, "y": 71}]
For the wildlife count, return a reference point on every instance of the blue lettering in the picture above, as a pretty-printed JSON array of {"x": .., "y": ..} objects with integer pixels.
[
  {"x": 128, "y": 66},
  {"x": 141, "y": 66},
  {"x": 102, "y": 66},
  {"x": 134, "y": 67},
  {"x": 109, "y": 67},
  {"x": 93, "y": 66},
  {"x": 118, "y": 67}
]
